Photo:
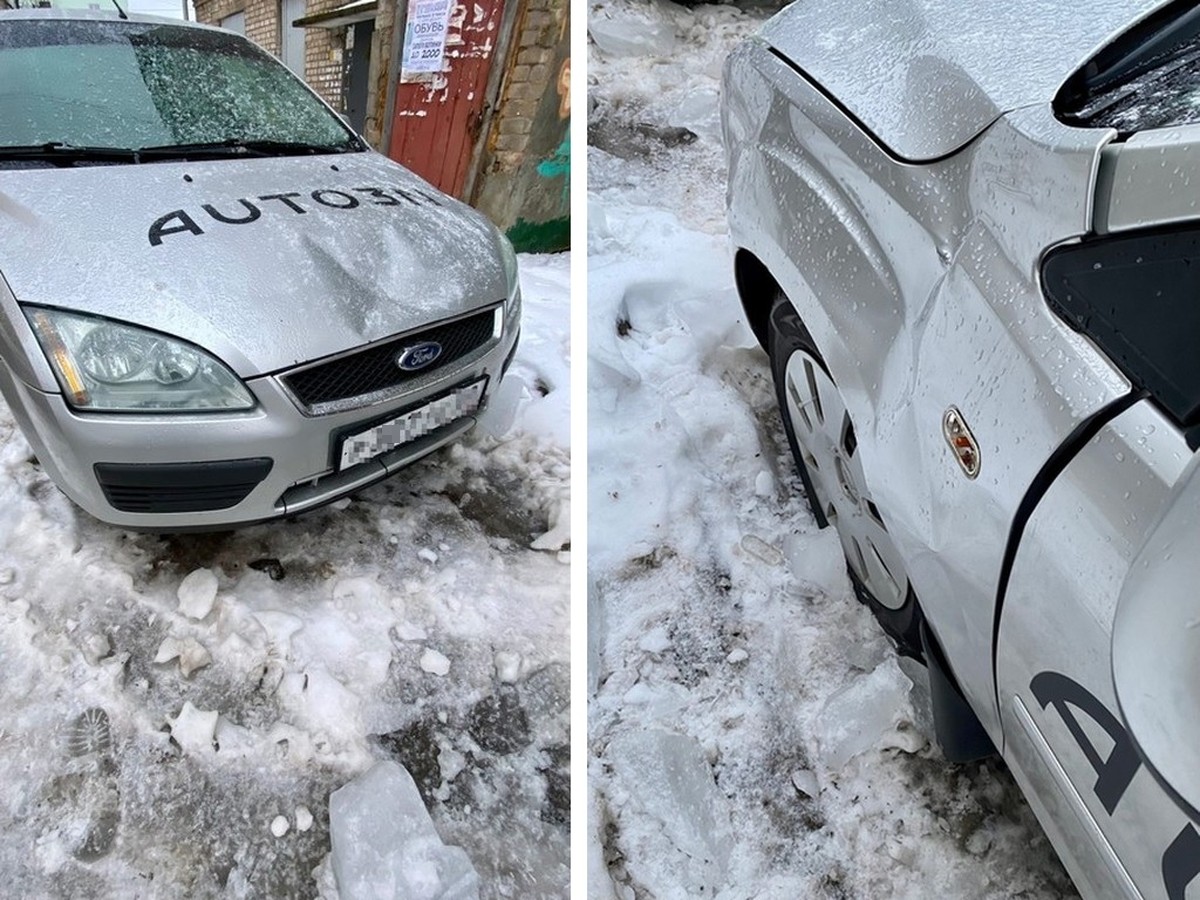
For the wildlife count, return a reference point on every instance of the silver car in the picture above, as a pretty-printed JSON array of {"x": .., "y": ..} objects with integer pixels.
[
  {"x": 217, "y": 304},
  {"x": 968, "y": 236}
]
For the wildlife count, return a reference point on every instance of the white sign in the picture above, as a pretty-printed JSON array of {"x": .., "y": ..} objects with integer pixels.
[{"x": 425, "y": 35}]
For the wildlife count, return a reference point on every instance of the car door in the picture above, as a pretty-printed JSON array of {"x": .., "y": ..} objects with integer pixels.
[{"x": 1068, "y": 737}]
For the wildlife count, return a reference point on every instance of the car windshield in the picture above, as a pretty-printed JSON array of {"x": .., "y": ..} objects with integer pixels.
[
  {"x": 1165, "y": 97},
  {"x": 1147, "y": 78},
  {"x": 132, "y": 85}
]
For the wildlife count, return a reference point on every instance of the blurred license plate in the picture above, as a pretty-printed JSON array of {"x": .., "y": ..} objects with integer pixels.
[{"x": 358, "y": 448}]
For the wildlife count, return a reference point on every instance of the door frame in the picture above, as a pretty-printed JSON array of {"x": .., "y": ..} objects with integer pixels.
[{"x": 497, "y": 81}]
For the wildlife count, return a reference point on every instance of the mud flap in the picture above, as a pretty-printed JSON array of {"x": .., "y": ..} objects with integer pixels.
[{"x": 959, "y": 731}]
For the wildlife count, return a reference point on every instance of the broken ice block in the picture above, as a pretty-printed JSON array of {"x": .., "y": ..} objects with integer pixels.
[
  {"x": 641, "y": 30},
  {"x": 675, "y": 792},
  {"x": 385, "y": 844},
  {"x": 865, "y": 714}
]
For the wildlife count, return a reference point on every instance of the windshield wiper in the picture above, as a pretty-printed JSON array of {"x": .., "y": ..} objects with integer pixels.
[
  {"x": 236, "y": 147},
  {"x": 62, "y": 153}
]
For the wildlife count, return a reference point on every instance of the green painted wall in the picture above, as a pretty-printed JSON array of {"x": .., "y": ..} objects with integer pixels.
[{"x": 531, "y": 200}]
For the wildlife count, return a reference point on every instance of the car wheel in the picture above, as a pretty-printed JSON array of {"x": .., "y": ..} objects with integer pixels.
[{"x": 824, "y": 445}]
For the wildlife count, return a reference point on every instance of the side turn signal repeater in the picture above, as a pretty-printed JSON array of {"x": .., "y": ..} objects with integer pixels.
[{"x": 961, "y": 441}]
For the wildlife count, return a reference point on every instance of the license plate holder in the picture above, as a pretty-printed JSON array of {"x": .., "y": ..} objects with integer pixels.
[{"x": 368, "y": 443}]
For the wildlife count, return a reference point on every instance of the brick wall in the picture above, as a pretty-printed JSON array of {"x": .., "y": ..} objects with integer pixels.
[
  {"x": 262, "y": 18},
  {"x": 523, "y": 181},
  {"x": 531, "y": 79},
  {"x": 323, "y": 52}
]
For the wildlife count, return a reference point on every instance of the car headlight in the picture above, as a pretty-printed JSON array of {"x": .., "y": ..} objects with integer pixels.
[
  {"x": 109, "y": 366},
  {"x": 509, "y": 257},
  {"x": 512, "y": 303}
]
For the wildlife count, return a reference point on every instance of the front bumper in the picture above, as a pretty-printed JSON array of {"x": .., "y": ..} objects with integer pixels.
[{"x": 77, "y": 449}]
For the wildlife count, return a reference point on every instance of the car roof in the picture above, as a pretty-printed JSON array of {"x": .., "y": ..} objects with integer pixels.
[{"x": 927, "y": 76}]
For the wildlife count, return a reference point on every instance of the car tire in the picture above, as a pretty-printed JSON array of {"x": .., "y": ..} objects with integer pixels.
[{"x": 824, "y": 446}]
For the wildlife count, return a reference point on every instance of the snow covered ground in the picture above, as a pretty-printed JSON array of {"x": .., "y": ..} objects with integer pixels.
[
  {"x": 178, "y": 710},
  {"x": 751, "y": 733}
]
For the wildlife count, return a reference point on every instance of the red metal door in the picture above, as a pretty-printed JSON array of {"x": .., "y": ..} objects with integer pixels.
[{"x": 437, "y": 119}]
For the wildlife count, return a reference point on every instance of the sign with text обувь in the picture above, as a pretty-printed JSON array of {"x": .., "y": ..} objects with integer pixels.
[{"x": 425, "y": 37}]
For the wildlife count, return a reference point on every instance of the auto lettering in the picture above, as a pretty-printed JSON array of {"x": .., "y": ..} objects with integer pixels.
[
  {"x": 245, "y": 210},
  {"x": 1181, "y": 861}
]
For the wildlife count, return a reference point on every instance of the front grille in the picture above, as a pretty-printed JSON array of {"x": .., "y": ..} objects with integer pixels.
[
  {"x": 374, "y": 369},
  {"x": 180, "y": 487}
]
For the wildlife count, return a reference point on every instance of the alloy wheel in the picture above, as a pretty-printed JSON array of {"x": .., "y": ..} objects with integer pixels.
[{"x": 829, "y": 448}]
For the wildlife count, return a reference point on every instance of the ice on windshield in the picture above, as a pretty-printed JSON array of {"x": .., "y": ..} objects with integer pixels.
[{"x": 1168, "y": 95}]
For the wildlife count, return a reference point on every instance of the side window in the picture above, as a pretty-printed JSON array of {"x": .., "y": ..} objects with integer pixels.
[{"x": 1136, "y": 296}]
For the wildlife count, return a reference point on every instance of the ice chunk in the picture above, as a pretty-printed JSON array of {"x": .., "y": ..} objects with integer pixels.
[
  {"x": 191, "y": 654},
  {"x": 656, "y": 640},
  {"x": 279, "y": 627},
  {"x": 685, "y": 817},
  {"x": 761, "y": 550},
  {"x": 434, "y": 663},
  {"x": 508, "y": 666},
  {"x": 805, "y": 783},
  {"x": 279, "y": 826},
  {"x": 764, "y": 484},
  {"x": 408, "y": 631},
  {"x": 596, "y": 634},
  {"x": 699, "y": 111},
  {"x": 196, "y": 593},
  {"x": 95, "y": 647},
  {"x": 816, "y": 560},
  {"x": 304, "y": 818},
  {"x": 193, "y": 729},
  {"x": 501, "y": 412},
  {"x": 234, "y": 741},
  {"x": 861, "y": 715},
  {"x": 559, "y": 534},
  {"x": 450, "y": 763},
  {"x": 385, "y": 844},
  {"x": 633, "y": 31}
]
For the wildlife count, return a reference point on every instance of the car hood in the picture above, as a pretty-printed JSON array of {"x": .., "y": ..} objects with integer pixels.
[
  {"x": 927, "y": 76},
  {"x": 264, "y": 262}
]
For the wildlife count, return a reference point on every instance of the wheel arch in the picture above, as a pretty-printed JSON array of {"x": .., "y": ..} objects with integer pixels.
[{"x": 757, "y": 289}]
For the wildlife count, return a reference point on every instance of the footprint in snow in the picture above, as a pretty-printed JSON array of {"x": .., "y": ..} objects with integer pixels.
[{"x": 92, "y": 797}]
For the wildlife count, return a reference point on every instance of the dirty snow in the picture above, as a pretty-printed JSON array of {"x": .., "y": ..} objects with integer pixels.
[
  {"x": 751, "y": 733},
  {"x": 178, "y": 710}
]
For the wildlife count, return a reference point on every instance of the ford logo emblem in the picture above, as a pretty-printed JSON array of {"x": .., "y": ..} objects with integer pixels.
[{"x": 418, "y": 356}]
